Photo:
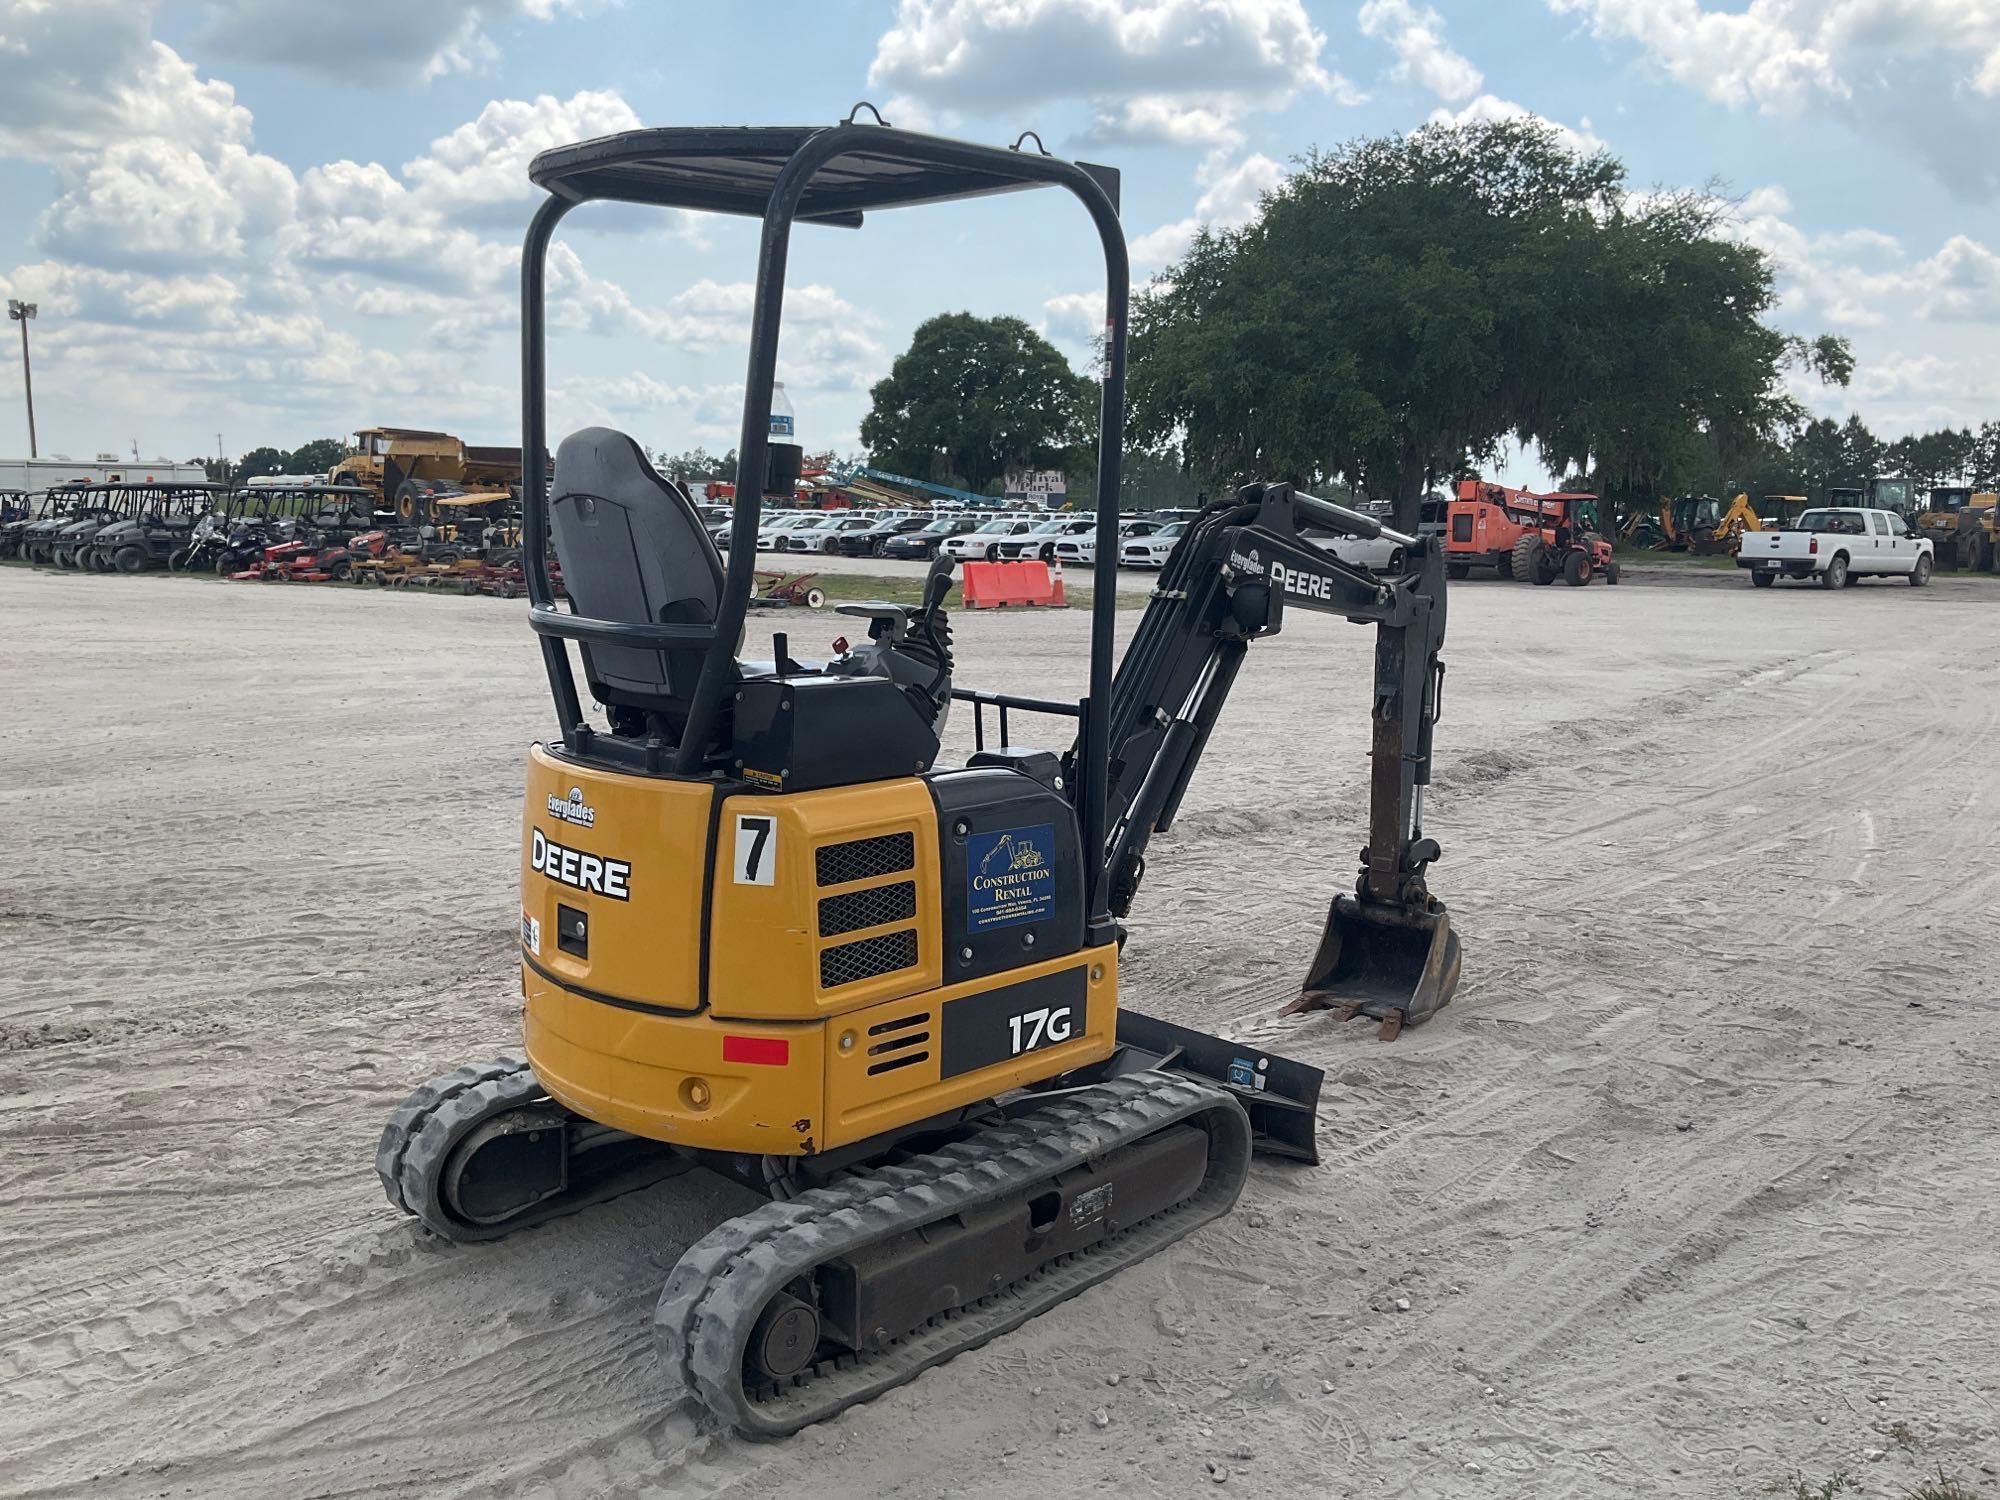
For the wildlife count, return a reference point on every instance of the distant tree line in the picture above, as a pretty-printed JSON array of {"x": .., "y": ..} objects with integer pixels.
[
  {"x": 696, "y": 466},
  {"x": 1806, "y": 460},
  {"x": 315, "y": 457}
]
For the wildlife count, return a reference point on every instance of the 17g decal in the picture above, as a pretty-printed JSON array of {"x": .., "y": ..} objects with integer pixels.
[{"x": 1040, "y": 1028}]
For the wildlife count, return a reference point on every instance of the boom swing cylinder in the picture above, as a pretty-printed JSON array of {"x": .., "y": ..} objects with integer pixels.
[{"x": 764, "y": 932}]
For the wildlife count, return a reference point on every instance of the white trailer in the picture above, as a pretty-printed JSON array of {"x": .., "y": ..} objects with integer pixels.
[{"x": 106, "y": 468}]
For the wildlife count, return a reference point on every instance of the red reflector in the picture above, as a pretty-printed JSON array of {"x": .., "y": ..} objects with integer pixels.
[{"x": 773, "y": 1051}]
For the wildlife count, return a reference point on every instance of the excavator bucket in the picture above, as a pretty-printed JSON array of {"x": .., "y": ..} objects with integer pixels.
[{"x": 1395, "y": 963}]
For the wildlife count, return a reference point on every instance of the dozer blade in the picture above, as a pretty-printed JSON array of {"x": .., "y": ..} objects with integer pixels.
[
  {"x": 1390, "y": 962},
  {"x": 1280, "y": 1096}
]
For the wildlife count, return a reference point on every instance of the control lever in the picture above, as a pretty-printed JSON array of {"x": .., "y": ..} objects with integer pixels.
[{"x": 937, "y": 584}]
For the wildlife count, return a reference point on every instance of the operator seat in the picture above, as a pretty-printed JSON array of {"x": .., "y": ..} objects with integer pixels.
[{"x": 633, "y": 549}]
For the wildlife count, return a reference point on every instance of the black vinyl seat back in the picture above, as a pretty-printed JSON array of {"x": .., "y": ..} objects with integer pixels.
[{"x": 633, "y": 549}]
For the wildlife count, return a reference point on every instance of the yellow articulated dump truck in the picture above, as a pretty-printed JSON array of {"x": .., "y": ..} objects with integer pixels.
[{"x": 420, "y": 475}]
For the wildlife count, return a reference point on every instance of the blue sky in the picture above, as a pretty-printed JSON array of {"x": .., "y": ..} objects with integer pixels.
[{"x": 278, "y": 219}]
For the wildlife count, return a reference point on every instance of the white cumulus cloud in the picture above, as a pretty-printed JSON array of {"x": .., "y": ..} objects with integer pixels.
[
  {"x": 479, "y": 172},
  {"x": 1961, "y": 281},
  {"x": 1922, "y": 73},
  {"x": 1488, "y": 109},
  {"x": 1422, "y": 54},
  {"x": 370, "y": 43},
  {"x": 1231, "y": 194},
  {"x": 1073, "y": 317},
  {"x": 1176, "y": 71}
]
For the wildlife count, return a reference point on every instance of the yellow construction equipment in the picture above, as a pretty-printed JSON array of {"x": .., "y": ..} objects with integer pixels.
[
  {"x": 1702, "y": 525},
  {"x": 1726, "y": 533},
  {"x": 1778, "y": 512},
  {"x": 1958, "y": 520},
  {"x": 1691, "y": 523},
  {"x": 414, "y": 472},
  {"x": 1977, "y": 530},
  {"x": 764, "y": 932},
  {"x": 1880, "y": 492}
]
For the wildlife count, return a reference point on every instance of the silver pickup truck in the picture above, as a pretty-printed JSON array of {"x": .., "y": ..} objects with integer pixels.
[{"x": 1838, "y": 546}]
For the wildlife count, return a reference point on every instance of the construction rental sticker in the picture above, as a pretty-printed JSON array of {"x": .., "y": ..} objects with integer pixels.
[{"x": 1010, "y": 876}]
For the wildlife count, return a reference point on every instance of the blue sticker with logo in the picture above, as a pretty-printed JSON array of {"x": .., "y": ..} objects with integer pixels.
[{"x": 1010, "y": 876}]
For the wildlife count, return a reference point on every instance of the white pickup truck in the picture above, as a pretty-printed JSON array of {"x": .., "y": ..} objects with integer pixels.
[{"x": 1839, "y": 546}]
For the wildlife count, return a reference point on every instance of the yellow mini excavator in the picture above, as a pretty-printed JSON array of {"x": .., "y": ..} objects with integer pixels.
[{"x": 765, "y": 932}]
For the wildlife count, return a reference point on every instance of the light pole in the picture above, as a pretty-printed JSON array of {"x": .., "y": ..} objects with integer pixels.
[{"x": 20, "y": 312}]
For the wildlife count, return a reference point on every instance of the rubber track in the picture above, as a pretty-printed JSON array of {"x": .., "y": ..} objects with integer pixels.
[
  {"x": 421, "y": 1134},
  {"x": 714, "y": 1294},
  {"x": 414, "y": 1116}
]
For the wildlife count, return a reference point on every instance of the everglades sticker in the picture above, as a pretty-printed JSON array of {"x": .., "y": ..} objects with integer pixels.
[{"x": 1010, "y": 876}]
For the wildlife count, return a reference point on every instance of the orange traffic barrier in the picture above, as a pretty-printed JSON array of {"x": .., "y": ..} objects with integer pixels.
[{"x": 995, "y": 585}]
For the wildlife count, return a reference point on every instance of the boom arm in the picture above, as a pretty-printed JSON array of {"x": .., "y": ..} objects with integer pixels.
[{"x": 1241, "y": 563}]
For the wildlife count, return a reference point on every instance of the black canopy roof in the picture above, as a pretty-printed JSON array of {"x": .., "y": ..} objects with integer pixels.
[
  {"x": 136, "y": 486},
  {"x": 732, "y": 169}
]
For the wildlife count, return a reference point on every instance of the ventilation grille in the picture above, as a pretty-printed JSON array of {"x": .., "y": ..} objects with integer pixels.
[
  {"x": 900, "y": 1043},
  {"x": 863, "y": 859},
  {"x": 864, "y": 960},
  {"x": 873, "y": 907}
]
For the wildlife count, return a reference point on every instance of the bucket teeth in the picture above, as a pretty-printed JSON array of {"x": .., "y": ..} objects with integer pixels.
[{"x": 1399, "y": 965}]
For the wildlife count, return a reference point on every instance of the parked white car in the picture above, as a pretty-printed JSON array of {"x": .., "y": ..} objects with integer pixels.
[
  {"x": 983, "y": 545},
  {"x": 776, "y": 523},
  {"x": 1838, "y": 546},
  {"x": 1081, "y": 547},
  {"x": 1150, "y": 551},
  {"x": 1039, "y": 541},
  {"x": 824, "y": 537},
  {"x": 1377, "y": 553},
  {"x": 805, "y": 537}
]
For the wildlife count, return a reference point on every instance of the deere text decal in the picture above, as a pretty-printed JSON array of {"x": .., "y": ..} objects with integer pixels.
[
  {"x": 1010, "y": 876},
  {"x": 587, "y": 872}
]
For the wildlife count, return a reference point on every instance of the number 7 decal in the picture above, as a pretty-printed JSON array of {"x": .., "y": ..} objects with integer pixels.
[{"x": 756, "y": 850}]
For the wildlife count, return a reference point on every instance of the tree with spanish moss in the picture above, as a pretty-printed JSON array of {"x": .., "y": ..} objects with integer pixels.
[{"x": 1401, "y": 306}]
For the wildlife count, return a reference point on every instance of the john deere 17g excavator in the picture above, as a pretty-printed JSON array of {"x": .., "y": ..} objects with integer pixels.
[{"x": 765, "y": 932}]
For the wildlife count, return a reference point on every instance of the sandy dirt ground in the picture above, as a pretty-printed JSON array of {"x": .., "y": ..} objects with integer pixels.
[{"x": 1696, "y": 1183}]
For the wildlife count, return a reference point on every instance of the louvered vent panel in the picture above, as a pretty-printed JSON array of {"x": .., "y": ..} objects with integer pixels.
[{"x": 899, "y": 1043}]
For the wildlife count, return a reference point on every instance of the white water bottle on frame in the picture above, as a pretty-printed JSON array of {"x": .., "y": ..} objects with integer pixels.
[{"x": 782, "y": 423}]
